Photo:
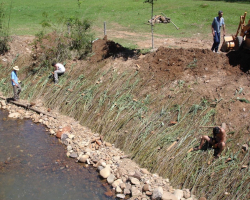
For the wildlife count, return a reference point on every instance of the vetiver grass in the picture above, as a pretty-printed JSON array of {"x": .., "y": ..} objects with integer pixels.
[{"x": 115, "y": 105}]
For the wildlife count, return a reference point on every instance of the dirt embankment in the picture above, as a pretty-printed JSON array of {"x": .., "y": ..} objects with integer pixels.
[{"x": 222, "y": 79}]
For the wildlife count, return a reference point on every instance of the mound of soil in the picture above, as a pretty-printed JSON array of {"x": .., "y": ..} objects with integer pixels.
[{"x": 104, "y": 48}]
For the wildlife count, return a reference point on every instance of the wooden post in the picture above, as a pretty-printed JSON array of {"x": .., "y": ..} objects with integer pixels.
[{"x": 104, "y": 28}]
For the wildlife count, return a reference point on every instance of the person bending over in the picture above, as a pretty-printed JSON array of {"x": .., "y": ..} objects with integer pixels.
[{"x": 59, "y": 70}]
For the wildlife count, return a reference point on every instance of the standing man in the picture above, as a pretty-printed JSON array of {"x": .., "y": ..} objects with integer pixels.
[
  {"x": 15, "y": 83},
  {"x": 218, "y": 141},
  {"x": 218, "y": 22},
  {"x": 59, "y": 70}
]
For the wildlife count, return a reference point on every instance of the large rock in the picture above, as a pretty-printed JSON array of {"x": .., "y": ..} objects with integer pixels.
[
  {"x": 146, "y": 187},
  {"x": 186, "y": 193},
  {"x": 120, "y": 196},
  {"x": 144, "y": 171},
  {"x": 14, "y": 115},
  {"x": 111, "y": 178},
  {"x": 135, "y": 181},
  {"x": 178, "y": 193},
  {"x": 135, "y": 191},
  {"x": 157, "y": 193},
  {"x": 105, "y": 172},
  {"x": 116, "y": 183},
  {"x": 168, "y": 196},
  {"x": 83, "y": 158}
]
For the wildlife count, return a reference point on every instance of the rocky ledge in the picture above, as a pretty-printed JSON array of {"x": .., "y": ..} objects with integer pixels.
[{"x": 127, "y": 179}]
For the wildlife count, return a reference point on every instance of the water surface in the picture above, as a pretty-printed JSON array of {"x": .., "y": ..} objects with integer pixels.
[{"x": 34, "y": 166}]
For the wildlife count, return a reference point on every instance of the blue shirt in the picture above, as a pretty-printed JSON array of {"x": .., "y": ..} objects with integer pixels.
[
  {"x": 217, "y": 23},
  {"x": 14, "y": 77}
]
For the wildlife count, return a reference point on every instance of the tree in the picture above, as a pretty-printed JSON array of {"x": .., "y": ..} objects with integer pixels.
[{"x": 152, "y": 12}]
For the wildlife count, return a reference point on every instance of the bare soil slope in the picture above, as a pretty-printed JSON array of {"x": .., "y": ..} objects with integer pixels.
[{"x": 221, "y": 78}]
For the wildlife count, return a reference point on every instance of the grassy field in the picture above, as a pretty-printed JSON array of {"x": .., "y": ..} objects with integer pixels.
[{"x": 191, "y": 16}]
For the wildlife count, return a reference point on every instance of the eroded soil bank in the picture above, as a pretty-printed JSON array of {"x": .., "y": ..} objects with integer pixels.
[{"x": 188, "y": 88}]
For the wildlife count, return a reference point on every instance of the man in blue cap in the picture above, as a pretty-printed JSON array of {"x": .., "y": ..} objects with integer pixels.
[{"x": 218, "y": 22}]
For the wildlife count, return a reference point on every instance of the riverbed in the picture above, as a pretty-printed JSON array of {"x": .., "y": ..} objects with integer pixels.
[{"x": 34, "y": 166}]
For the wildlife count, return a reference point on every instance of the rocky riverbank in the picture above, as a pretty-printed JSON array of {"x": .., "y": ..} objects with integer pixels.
[{"x": 127, "y": 179}]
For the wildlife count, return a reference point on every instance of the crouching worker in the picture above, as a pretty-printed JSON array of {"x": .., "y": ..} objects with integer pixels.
[
  {"x": 218, "y": 141},
  {"x": 15, "y": 83},
  {"x": 59, "y": 70}
]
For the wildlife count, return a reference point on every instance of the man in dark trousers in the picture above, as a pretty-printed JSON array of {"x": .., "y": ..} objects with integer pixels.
[
  {"x": 217, "y": 23},
  {"x": 15, "y": 83}
]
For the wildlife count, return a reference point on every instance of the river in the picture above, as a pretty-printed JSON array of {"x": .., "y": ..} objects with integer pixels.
[{"x": 34, "y": 166}]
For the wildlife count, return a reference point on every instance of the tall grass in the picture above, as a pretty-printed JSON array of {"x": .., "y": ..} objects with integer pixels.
[{"x": 114, "y": 105}]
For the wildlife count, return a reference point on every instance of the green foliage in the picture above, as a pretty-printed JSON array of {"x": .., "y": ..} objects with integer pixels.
[
  {"x": 80, "y": 36},
  {"x": 4, "y": 35}
]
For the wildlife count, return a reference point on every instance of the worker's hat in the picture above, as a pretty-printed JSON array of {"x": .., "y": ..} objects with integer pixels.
[{"x": 16, "y": 68}]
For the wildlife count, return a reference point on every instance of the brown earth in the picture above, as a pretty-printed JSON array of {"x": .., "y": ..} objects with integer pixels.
[{"x": 218, "y": 77}]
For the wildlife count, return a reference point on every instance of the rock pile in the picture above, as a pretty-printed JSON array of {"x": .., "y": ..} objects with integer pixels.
[{"x": 127, "y": 179}]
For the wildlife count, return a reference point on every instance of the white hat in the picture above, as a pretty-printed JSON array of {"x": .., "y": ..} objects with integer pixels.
[{"x": 16, "y": 68}]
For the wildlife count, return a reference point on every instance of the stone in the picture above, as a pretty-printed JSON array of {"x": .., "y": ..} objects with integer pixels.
[
  {"x": 157, "y": 193},
  {"x": 105, "y": 172},
  {"x": 73, "y": 155},
  {"x": 65, "y": 129},
  {"x": 149, "y": 193},
  {"x": 83, "y": 158},
  {"x": 111, "y": 178},
  {"x": 116, "y": 158},
  {"x": 14, "y": 115},
  {"x": 135, "y": 181},
  {"x": 3, "y": 103},
  {"x": 186, "y": 193},
  {"x": 169, "y": 196},
  {"x": 69, "y": 148},
  {"x": 135, "y": 191},
  {"x": 118, "y": 189},
  {"x": 116, "y": 183},
  {"x": 144, "y": 171},
  {"x": 178, "y": 193},
  {"x": 108, "y": 144},
  {"x": 137, "y": 175},
  {"x": 99, "y": 168},
  {"x": 121, "y": 196},
  {"x": 52, "y": 132},
  {"x": 146, "y": 187},
  {"x": 126, "y": 191},
  {"x": 122, "y": 185}
]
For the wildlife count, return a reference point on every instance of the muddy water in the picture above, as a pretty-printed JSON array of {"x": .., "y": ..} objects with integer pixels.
[{"x": 34, "y": 166}]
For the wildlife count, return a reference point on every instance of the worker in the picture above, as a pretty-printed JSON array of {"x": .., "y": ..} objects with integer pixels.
[
  {"x": 217, "y": 23},
  {"x": 15, "y": 83},
  {"x": 218, "y": 141},
  {"x": 59, "y": 70}
]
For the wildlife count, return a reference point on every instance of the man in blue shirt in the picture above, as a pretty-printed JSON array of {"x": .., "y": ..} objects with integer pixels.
[
  {"x": 15, "y": 83},
  {"x": 218, "y": 22}
]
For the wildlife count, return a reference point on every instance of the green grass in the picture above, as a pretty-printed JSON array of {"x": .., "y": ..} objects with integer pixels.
[{"x": 191, "y": 16}]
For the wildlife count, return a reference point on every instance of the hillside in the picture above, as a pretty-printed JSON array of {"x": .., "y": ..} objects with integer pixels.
[{"x": 154, "y": 106}]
